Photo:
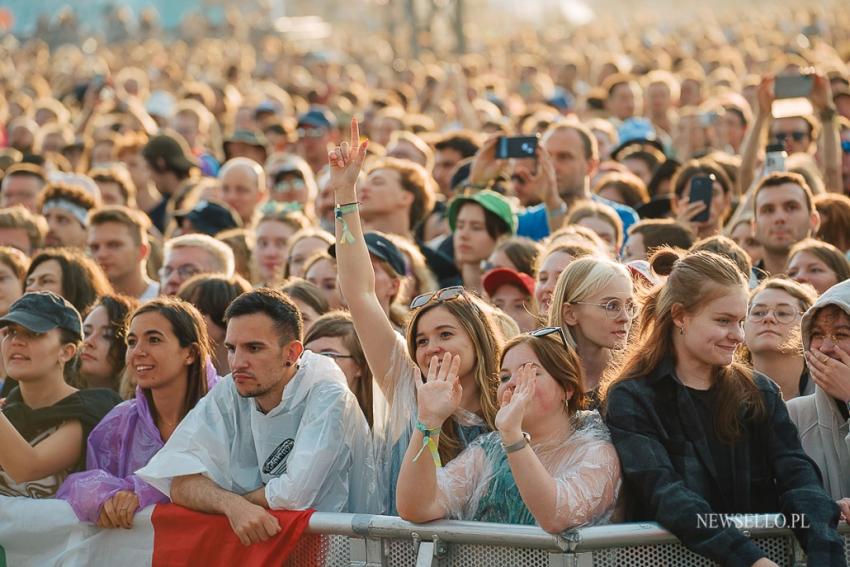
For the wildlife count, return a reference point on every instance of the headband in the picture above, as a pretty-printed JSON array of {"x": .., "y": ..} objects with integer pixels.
[{"x": 79, "y": 212}]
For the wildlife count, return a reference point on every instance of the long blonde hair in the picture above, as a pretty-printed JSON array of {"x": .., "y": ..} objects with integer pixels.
[
  {"x": 473, "y": 316},
  {"x": 580, "y": 280}
]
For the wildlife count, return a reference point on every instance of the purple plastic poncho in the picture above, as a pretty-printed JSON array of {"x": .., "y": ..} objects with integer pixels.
[{"x": 122, "y": 443}]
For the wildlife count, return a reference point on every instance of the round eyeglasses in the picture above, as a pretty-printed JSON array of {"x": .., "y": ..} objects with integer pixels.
[{"x": 614, "y": 307}]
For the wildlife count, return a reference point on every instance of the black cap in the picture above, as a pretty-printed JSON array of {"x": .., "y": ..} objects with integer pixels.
[
  {"x": 210, "y": 217},
  {"x": 170, "y": 151},
  {"x": 42, "y": 311},
  {"x": 382, "y": 248}
]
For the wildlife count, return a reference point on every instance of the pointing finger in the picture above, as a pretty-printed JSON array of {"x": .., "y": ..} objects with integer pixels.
[{"x": 355, "y": 133}]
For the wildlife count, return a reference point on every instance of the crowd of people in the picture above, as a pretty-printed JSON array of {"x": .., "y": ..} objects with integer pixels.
[{"x": 562, "y": 288}]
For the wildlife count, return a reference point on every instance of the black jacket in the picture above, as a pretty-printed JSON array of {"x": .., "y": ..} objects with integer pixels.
[{"x": 670, "y": 475}]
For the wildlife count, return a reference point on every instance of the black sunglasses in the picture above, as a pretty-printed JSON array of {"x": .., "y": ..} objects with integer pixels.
[
  {"x": 546, "y": 331},
  {"x": 445, "y": 294},
  {"x": 797, "y": 136}
]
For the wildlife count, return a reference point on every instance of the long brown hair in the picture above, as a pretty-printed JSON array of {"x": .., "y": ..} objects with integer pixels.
[
  {"x": 188, "y": 326},
  {"x": 339, "y": 324},
  {"x": 472, "y": 315},
  {"x": 694, "y": 280},
  {"x": 82, "y": 279},
  {"x": 560, "y": 361}
]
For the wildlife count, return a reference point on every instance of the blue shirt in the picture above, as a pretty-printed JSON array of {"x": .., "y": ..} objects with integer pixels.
[{"x": 533, "y": 224}]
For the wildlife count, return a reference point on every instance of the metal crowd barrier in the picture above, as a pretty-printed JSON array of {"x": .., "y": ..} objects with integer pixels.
[{"x": 360, "y": 540}]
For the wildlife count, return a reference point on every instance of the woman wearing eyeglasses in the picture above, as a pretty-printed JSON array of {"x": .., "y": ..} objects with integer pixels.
[
  {"x": 772, "y": 334},
  {"x": 549, "y": 463},
  {"x": 594, "y": 304},
  {"x": 333, "y": 335},
  {"x": 447, "y": 321},
  {"x": 701, "y": 436}
]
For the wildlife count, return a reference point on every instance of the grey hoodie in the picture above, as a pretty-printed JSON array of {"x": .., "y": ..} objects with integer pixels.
[{"x": 824, "y": 433}]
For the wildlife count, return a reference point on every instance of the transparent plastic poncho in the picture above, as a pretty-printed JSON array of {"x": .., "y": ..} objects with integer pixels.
[
  {"x": 393, "y": 435},
  {"x": 313, "y": 450},
  {"x": 479, "y": 484},
  {"x": 123, "y": 442}
]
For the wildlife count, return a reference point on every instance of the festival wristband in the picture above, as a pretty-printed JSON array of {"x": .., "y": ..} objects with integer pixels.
[
  {"x": 339, "y": 213},
  {"x": 428, "y": 436}
]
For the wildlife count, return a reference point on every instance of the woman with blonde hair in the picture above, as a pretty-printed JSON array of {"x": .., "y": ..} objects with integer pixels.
[
  {"x": 446, "y": 322},
  {"x": 554, "y": 260},
  {"x": 818, "y": 264},
  {"x": 594, "y": 304},
  {"x": 772, "y": 334},
  {"x": 549, "y": 463},
  {"x": 701, "y": 436}
]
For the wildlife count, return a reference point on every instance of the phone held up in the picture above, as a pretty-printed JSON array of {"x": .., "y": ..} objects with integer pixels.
[
  {"x": 517, "y": 147},
  {"x": 793, "y": 86},
  {"x": 702, "y": 189}
]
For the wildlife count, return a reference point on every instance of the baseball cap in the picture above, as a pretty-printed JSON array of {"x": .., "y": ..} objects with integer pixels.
[
  {"x": 317, "y": 117},
  {"x": 169, "y": 150},
  {"x": 210, "y": 217},
  {"x": 490, "y": 201},
  {"x": 43, "y": 311},
  {"x": 497, "y": 277},
  {"x": 382, "y": 248}
]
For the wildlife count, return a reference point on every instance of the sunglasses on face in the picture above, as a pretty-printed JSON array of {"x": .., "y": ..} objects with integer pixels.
[
  {"x": 441, "y": 295},
  {"x": 285, "y": 185},
  {"x": 797, "y": 136},
  {"x": 845, "y": 146}
]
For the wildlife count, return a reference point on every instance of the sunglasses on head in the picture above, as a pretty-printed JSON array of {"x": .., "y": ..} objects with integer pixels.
[
  {"x": 546, "y": 331},
  {"x": 797, "y": 136},
  {"x": 441, "y": 295}
]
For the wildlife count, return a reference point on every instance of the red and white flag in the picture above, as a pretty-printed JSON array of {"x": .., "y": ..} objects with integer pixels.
[{"x": 41, "y": 533}]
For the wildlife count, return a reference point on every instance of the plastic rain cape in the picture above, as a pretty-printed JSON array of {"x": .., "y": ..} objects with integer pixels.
[{"x": 313, "y": 450}]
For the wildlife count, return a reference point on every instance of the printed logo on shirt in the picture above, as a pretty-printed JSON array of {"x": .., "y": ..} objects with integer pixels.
[{"x": 275, "y": 465}]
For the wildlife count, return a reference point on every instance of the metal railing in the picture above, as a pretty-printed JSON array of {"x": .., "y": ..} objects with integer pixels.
[{"x": 381, "y": 541}]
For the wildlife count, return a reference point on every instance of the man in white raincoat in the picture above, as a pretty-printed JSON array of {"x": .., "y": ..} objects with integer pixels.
[{"x": 282, "y": 432}]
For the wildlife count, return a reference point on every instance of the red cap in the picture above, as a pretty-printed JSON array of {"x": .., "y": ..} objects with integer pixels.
[{"x": 497, "y": 277}]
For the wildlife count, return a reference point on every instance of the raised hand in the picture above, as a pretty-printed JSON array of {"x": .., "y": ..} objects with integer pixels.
[
  {"x": 544, "y": 183},
  {"x": 821, "y": 95},
  {"x": 439, "y": 397},
  {"x": 687, "y": 210},
  {"x": 515, "y": 402},
  {"x": 485, "y": 167},
  {"x": 765, "y": 96},
  {"x": 346, "y": 160}
]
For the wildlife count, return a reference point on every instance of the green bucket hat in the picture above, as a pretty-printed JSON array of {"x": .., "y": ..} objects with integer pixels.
[{"x": 490, "y": 201}]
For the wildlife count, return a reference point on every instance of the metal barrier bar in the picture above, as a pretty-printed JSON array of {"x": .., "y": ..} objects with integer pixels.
[
  {"x": 449, "y": 531},
  {"x": 531, "y": 537}
]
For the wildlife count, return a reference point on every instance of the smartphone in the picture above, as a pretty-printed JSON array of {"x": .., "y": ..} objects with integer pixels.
[
  {"x": 516, "y": 147},
  {"x": 793, "y": 86},
  {"x": 702, "y": 189},
  {"x": 774, "y": 158}
]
